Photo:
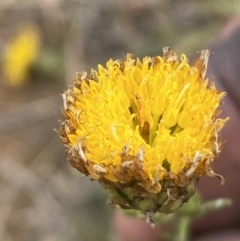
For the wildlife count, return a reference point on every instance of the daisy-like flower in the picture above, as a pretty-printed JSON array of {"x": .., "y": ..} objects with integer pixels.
[
  {"x": 147, "y": 129},
  {"x": 20, "y": 53}
]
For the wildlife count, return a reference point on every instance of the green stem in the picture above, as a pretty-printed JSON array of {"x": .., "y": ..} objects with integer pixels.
[{"x": 182, "y": 229}]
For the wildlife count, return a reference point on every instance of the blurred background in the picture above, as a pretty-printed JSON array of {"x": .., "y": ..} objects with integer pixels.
[{"x": 43, "y": 43}]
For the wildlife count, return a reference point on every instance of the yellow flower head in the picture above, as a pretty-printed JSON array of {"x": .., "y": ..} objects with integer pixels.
[
  {"x": 20, "y": 53},
  {"x": 145, "y": 129}
]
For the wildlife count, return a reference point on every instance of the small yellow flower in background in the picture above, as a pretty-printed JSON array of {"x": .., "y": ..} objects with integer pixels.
[
  {"x": 147, "y": 129},
  {"x": 20, "y": 53}
]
